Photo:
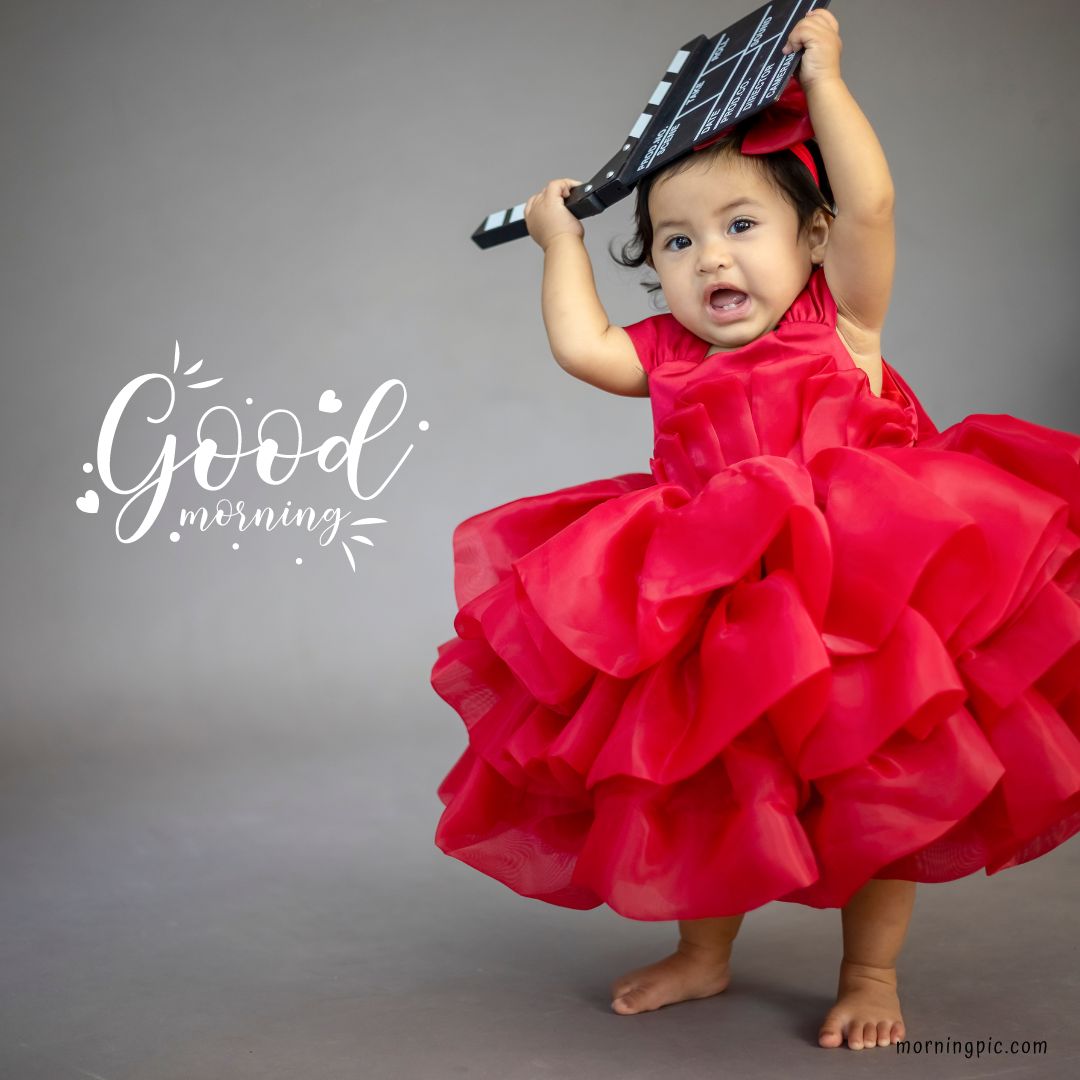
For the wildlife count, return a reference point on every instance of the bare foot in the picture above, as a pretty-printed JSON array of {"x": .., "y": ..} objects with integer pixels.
[
  {"x": 867, "y": 1009},
  {"x": 692, "y": 971}
]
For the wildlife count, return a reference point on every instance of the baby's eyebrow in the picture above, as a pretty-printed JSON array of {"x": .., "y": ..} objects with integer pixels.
[{"x": 744, "y": 201}]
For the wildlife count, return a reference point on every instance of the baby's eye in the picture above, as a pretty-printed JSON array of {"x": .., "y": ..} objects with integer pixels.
[{"x": 679, "y": 236}]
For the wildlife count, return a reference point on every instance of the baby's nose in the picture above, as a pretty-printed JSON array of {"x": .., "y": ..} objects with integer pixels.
[{"x": 712, "y": 255}]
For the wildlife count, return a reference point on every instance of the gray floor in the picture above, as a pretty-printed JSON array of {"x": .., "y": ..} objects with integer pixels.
[{"x": 245, "y": 907}]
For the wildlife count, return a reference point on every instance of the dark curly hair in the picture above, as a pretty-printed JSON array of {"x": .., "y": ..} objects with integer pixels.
[{"x": 788, "y": 175}]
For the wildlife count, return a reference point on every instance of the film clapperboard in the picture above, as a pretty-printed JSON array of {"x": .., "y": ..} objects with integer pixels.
[{"x": 710, "y": 84}]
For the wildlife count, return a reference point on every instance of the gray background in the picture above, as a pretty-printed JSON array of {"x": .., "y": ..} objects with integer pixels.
[{"x": 218, "y": 767}]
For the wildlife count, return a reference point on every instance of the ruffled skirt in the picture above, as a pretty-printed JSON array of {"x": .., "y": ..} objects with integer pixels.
[{"x": 686, "y": 701}]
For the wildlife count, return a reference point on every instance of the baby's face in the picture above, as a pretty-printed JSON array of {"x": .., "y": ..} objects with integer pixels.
[{"x": 753, "y": 247}]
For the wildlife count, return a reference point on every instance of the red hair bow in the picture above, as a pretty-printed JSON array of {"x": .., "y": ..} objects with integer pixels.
[{"x": 784, "y": 125}]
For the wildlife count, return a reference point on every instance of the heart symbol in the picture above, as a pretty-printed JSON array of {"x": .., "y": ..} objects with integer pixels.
[
  {"x": 328, "y": 402},
  {"x": 88, "y": 503}
]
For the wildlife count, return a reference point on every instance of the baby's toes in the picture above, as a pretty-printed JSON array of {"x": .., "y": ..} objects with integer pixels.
[
  {"x": 636, "y": 999},
  {"x": 870, "y": 1034},
  {"x": 883, "y": 1032},
  {"x": 626, "y": 982},
  {"x": 897, "y": 1032},
  {"x": 831, "y": 1033},
  {"x": 856, "y": 1034}
]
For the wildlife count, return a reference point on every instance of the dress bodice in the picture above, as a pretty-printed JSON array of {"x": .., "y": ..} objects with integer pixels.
[{"x": 789, "y": 392}]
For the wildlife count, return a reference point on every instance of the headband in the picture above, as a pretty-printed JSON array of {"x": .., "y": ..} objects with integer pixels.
[{"x": 784, "y": 125}]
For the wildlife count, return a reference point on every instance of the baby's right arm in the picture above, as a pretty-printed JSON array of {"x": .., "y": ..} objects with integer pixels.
[{"x": 582, "y": 340}]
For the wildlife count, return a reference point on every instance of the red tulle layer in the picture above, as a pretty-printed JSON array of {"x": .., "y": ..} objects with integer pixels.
[{"x": 772, "y": 677}]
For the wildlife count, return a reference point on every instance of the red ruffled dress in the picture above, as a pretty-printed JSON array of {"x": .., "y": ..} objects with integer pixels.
[{"x": 821, "y": 642}]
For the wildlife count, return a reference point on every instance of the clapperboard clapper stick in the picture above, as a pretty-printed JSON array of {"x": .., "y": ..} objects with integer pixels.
[{"x": 710, "y": 84}]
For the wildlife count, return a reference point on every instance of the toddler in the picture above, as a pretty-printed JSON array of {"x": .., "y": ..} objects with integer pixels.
[{"x": 822, "y": 651}]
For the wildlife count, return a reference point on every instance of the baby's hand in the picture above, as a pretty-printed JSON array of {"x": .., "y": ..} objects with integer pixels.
[
  {"x": 546, "y": 215},
  {"x": 818, "y": 34}
]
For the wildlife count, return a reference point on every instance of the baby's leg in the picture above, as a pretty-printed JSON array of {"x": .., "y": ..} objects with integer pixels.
[
  {"x": 698, "y": 968},
  {"x": 867, "y": 1008}
]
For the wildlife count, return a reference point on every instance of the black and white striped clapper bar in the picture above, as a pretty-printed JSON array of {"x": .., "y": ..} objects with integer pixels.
[{"x": 710, "y": 84}]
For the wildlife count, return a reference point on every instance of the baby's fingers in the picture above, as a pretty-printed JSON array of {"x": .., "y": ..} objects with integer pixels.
[
  {"x": 563, "y": 186},
  {"x": 810, "y": 27},
  {"x": 827, "y": 16},
  {"x": 555, "y": 189},
  {"x": 798, "y": 37}
]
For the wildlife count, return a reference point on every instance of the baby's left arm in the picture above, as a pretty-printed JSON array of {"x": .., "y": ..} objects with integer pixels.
[{"x": 860, "y": 254}]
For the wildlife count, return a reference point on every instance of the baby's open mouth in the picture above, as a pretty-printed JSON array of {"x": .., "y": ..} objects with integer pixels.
[{"x": 727, "y": 299}]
